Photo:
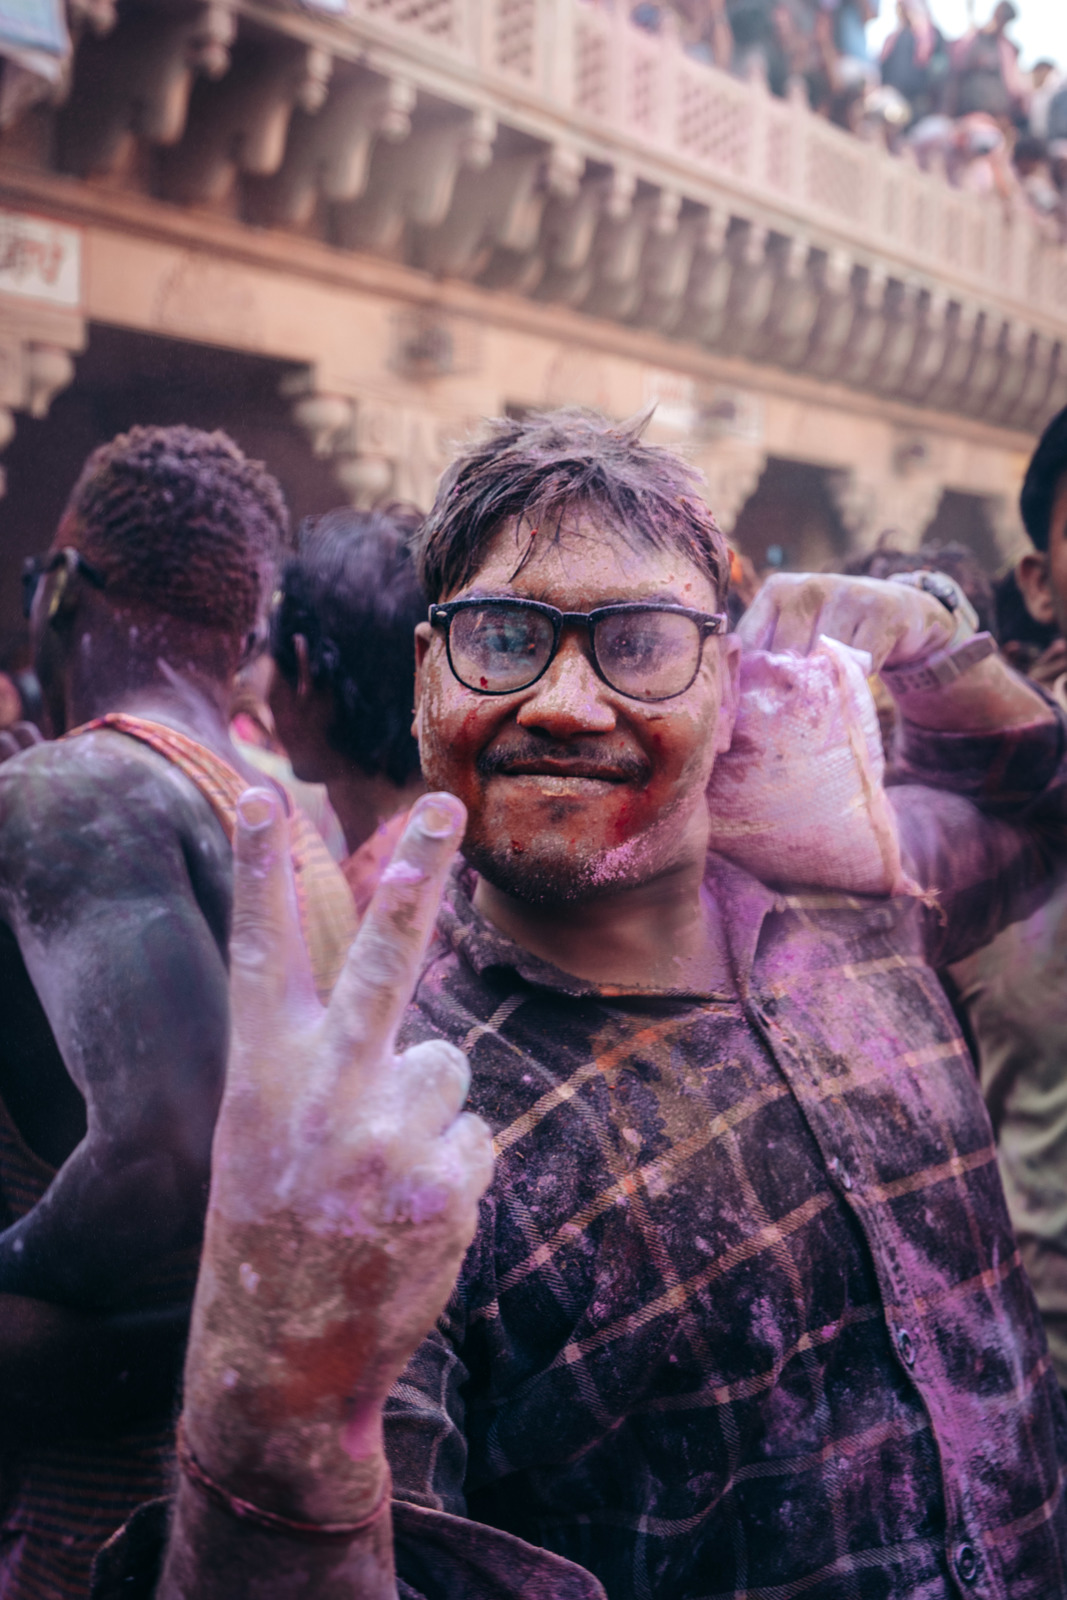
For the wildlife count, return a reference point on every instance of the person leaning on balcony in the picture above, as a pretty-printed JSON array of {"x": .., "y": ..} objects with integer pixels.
[
  {"x": 743, "y": 1314},
  {"x": 915, "y": 59},
  {"x": 984, "y": 74}
]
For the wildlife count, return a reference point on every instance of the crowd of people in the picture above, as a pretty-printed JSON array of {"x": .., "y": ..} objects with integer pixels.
[
  {"x": 720, "y": 1284},
  {"x": 964, "y": 103}
]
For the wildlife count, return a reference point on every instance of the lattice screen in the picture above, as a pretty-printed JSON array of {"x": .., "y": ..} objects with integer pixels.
[
  {"x": 779, "y": 154},
  {"x": 515, "y": 36},
  {"x": 892, "y": 206},
  {"x": 952, "y": 234},
  {"x": 714, "y": 125},
  {"x": 644, "y": 93},
  {"x": 835, "y": 178},
  {"x": 439, "y": 19},
  {"x": 591, "y": 68},
  {"x": 977, "y": 253}
]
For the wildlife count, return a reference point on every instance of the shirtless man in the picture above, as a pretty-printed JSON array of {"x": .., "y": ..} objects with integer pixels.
[
  {"x": 743, "y": 1314},
  {"x": 115, "y": 868}
]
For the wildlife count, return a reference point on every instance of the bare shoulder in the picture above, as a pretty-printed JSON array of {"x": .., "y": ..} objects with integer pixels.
[{"x": 104, "y": 816}]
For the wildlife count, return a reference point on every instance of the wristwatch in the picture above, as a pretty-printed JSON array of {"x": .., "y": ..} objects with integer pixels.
[
  {"x": 964, "y": 650},
  {"x": 940, "y": 669}
]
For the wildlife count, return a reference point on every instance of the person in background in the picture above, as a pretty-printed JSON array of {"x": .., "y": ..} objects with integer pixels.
[
  {"x": 343, "y": 687},
  {"x": 1014, "y": 991},
  {"x": 1046, "y": 80},
  {"x": 1034, "y": 173},
  {"x": 255, "y": 738},
  {"x": 915, "y": 59},
  {"x": 115, "y": 880},
  {"x": 759, "y": 41},
  {"x": 984, "y": 74}
]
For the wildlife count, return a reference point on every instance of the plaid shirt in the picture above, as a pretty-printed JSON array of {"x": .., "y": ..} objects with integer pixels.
[{"x": 744, "y": 1316}]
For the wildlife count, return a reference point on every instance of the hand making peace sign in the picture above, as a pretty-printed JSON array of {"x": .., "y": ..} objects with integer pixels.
[{"x": 344, "y": 1189}]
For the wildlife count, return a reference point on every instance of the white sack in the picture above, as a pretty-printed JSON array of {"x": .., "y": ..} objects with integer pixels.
[{"x": 799, "y": 797}]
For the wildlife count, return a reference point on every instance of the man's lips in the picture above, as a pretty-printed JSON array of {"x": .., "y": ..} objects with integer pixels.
[{"x": 563, "y": 769}]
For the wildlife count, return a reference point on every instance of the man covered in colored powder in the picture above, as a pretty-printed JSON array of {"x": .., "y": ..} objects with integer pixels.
[
  {"x": 115, "y": 867},
  {"x": 743, "y": 1315}
]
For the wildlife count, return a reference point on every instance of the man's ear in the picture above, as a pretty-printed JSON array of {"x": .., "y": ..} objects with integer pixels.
[
  {"x": 304, "y": 685},
  {"x": 423, "y": 641},
  {"x": 730, "y": 678},
  {"x": 1032, "y": 576}
]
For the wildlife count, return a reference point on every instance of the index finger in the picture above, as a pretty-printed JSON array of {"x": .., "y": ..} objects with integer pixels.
[
  {"x": 757, "y": 627},
  {"x": 382, "y": 967}
]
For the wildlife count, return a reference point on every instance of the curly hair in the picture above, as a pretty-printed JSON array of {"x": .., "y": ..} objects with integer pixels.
[
  {"x": 181, "y": 521},
  {"x": 540, "y": 467},
  {"x": 352, "y": 592}
]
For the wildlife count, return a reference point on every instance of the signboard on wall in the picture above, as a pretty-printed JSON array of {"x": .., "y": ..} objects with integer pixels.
[
  {"x": 39, "y": 259},
  {"x": 33, "y": 25}
]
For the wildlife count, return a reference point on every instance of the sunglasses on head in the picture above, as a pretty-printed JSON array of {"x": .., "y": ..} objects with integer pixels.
[{"x": 34, "y": 568}]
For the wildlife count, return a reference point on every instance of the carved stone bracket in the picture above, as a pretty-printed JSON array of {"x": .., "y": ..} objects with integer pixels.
[
  {"x": 414, "y": 182},
  {"x": 329, "y": 152},
  {"x": 33, "y": 370},
  {"x": 242, "y": 122},
  {"x": 138, "y": 85}
]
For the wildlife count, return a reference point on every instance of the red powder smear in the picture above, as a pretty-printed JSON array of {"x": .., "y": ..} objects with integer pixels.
[{"x": 484, "y": 682}]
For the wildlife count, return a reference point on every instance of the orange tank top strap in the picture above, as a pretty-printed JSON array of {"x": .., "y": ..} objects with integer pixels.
[{"x": 327, "y": 913}]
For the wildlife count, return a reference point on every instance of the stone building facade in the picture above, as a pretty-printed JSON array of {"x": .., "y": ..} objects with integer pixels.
[{"x": 349, "y": 233}]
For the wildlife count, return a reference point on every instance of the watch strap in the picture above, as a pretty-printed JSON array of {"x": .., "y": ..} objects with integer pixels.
[{"x": 942, "y": 668}]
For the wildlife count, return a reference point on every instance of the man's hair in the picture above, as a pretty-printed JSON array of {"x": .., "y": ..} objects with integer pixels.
[
  {"x": 955, "y": 560},
  {"x": 182, "y": 522},
  {"x": 1048, "y": 465},
  {"x": 541, "y": 467},
  {"x": 352, "y": 592}
]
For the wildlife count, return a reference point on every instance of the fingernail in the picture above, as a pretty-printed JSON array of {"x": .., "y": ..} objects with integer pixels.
[
  {"x": 437, "y": 820},
  {"x": 256, "y": 810}
]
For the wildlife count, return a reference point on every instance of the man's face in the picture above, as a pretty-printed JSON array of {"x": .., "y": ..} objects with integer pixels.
[
  {"x": 1042, "y": 575},
  {"x": 572, "y": 788}
]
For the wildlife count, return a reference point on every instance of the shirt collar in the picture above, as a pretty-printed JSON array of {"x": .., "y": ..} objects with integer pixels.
[{"x": 737, "y": 905}]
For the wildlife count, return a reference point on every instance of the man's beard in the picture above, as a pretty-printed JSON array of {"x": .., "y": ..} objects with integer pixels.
[{"x": 544, "y": 877}]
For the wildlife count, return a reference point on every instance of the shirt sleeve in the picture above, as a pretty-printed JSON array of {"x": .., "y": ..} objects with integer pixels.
[
  {"x": 440, "y": 1553},
  {"x": 983, "y": 827}
]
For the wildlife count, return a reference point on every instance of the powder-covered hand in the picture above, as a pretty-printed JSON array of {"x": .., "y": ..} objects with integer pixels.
[
  {"x": 892, "y": 622},
  {"x": 344, "y": 1189}
]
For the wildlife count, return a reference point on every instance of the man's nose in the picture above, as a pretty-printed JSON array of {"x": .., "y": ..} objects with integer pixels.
[{"x": 570, "y": 698}]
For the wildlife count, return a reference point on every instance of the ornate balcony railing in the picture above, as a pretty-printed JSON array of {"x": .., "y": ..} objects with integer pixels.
[{"x": 553, "y": 148}]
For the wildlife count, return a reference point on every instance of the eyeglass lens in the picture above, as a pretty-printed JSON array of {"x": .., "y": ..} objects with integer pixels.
[{"x": 648, "y": 655}]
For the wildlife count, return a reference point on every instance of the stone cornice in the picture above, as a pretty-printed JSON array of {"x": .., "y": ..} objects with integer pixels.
[{"x": 113, "y": 212}]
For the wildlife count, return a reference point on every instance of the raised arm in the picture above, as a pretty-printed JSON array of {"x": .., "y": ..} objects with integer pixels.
[
  {"x": 983, "y": 807},
  {"x": 344, "y": 1194}
]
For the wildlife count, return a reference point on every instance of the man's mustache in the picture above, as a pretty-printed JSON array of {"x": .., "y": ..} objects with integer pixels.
[{"x": 582, "y": 759}]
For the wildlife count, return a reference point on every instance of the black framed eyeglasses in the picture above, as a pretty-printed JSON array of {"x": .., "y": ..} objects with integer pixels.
[
  {"x": 646, "y": 650},
  {"x": 34, "y": 568}
]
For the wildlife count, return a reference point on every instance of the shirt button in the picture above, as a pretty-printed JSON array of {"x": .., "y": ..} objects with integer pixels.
[
  {"x": 966, "y": 1559},
  {"x": 906, "y": 1348},
  {"x": 846, "y": 1181}
]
